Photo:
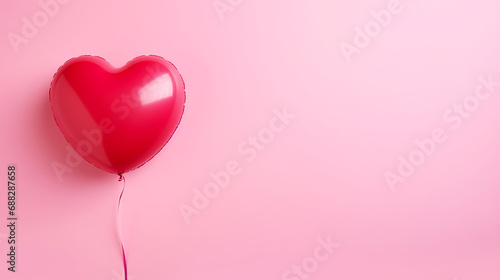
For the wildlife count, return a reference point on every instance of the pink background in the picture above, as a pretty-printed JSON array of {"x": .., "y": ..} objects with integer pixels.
[{"x": 323, "y": 175}]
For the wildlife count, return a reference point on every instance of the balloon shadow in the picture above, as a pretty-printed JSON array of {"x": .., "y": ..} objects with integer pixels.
[{"x": 52, "y": 141}]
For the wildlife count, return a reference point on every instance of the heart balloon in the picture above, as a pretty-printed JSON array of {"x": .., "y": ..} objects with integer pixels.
[{"x": 117, "y": 119}]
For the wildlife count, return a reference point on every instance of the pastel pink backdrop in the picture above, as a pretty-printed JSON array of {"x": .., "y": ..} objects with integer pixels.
[{"x": 322, "y": 175}]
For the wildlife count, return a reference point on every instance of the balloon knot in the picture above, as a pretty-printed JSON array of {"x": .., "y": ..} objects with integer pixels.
[{"x": 120, "y": 178}]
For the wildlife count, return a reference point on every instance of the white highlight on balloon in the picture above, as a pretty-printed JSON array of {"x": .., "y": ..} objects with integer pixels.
[{"x": 158, "y": 89}]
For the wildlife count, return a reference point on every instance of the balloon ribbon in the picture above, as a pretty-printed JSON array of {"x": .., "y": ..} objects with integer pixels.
[{"x": 119, "y": 228}]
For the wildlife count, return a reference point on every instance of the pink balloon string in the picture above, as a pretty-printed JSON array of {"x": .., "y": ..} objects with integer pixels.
[{"x": 122, "y": 178}]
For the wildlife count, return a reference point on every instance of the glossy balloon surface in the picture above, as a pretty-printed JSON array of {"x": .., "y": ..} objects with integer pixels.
[{"x": 117, "y": 119}]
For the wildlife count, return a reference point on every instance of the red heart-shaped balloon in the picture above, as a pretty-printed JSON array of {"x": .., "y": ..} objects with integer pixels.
[{"x": 117, "y": 119}]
